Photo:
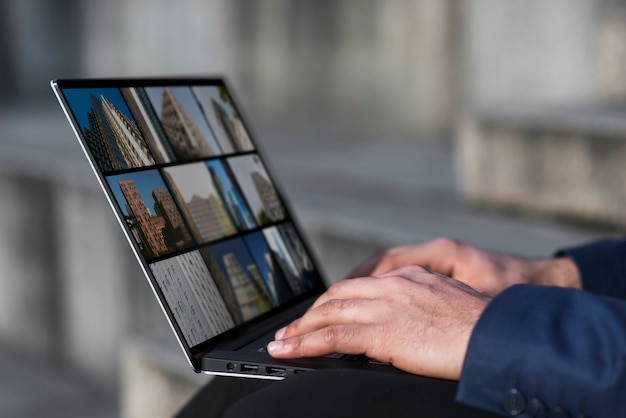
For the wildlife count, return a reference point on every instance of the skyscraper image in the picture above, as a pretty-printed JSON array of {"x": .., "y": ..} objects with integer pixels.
[
  {"x": 221, "y": 214},
  {"x": 222, "y": 284},
  {"x": 251, "y": 298},
  {"x": 148, "y": 229},
  {"x": 178, "y": 196},
  {"x": 175, "y": 232},
  {"x": 184, "y": 135},
  {"x": 267, "y": 266},
  {"x": 193, "y": 297},
  {"x": 204, "y": 218},
  {"x": 129, "y": 139},
  {"x": 295, "y": 247},
  {"x": 236, "y": 207},
  {"x": 148, "y": 123},
  {"x": 150, "y": 212},
  {"x": 260, "y": 194},
  {"x": 272, "y": 206},
  {"x": 245, "y": 285},
  {"x": 253, "y": 271},
  {"x": 219, "y": 110},
  {"x": 233, "y": 128},
  {"x": 230, "y": 197},
  {"x": 291, "y": 255},
  {"x": 101, "y": 140},
  {"x": 205, "y": 212},
  {"x": 114, "y": 138}
]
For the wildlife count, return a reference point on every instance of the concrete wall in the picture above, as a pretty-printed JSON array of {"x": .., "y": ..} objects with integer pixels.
[
  {"x": 541, "y": 127},
  {"x": 365, "y": 62},
  {"x": 567, "y": 163}
]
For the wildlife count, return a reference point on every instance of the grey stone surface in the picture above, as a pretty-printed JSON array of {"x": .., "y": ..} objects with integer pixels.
[
  {"x": 32, "y": 388},
  {"x": 29, "y": 303},
  {"x": 568, "y": 162},
  {"x": 530, "y": 51},
  {"x": 155, "y": 381}
]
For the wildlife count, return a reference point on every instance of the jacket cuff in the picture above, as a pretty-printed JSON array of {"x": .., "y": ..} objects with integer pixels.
[{"x": 602, "y": 266}]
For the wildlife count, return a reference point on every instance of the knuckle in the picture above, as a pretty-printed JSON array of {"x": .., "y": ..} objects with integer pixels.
[
  {"x": 297, "y": 346},
  {"x": 336, "y": 288},
  {"x": 292, "y": 328},
  {"x": 447, "y": 243},
  {"x": 329, "y": 335},
  {"x": 333, "y": 336},
  {"x": 330, "y": 307}
]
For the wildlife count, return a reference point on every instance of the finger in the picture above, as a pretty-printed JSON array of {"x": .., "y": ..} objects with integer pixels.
[
  {"x": 438, "y": 255},
  {"x": 423, "y": 275},
  {"x": 334, "y": 312},
  {"x": 347, "y": 339},
  {"x": 359, "y": 288},
  {"x": 409, "y": 268},
  {"x": 413, "y": 272}
]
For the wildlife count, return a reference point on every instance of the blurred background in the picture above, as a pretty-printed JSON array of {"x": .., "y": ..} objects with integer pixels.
[{"x": 500, "y": 123}]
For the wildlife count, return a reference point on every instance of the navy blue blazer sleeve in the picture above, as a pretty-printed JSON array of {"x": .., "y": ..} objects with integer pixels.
[
  {"x": 539, "y": 349},
  {"x": 602, "y": 266}
]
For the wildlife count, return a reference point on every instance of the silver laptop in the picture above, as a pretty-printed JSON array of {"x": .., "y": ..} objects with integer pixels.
[{"x": 213, "y": 234}]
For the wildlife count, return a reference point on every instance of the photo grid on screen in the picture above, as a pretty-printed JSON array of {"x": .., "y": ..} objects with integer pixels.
[{"x": 197, "y": 200}]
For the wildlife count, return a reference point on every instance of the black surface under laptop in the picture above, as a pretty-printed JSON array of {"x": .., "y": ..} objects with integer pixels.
[{"x": 213, "y": 234}]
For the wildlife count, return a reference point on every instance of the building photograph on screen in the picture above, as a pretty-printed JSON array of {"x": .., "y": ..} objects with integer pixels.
[
  {"x": 150, "y": 212},
  {"x": 149, "y": 124},
  {"x": 219, "y": 110},
  {"x": 231, "y": 263},
  {"x": 109, "y": 129},
  {"x": 184, "y": 124},
  {"x": 269, "y": 267},
  {"x": 292, "y": 257},
  {"x": 230, "y": 195},
  {"x": 193, "y": 297},
  {"x": 199, "y": 195},
  {"x": 257, "y": 188}
]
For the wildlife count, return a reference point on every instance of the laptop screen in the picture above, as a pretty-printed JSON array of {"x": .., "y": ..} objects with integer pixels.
[{"x": 196, "y": 200}]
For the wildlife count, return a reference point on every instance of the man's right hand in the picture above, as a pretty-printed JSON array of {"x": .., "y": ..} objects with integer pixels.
[{"x": 487, "y": 271}]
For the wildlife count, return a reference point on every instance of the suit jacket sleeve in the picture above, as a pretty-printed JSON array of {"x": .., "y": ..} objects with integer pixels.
[
  {"x": 543, "y": 350},
  {"x": 602, "y": 266}
]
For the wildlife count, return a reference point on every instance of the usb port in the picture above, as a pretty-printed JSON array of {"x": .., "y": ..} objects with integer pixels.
[
  {"x": 276, "y": 371},
  {"x": 249, "y": 368}
]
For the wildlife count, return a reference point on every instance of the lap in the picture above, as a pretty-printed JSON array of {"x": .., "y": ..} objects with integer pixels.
[{"x": 334, "y": 393}]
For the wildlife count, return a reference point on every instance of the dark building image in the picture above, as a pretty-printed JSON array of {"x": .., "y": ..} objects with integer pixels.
[
  {"x": 114, "y": 138},
  {"x": 175, "y": 232},
  {"x": 235, "y": 132},
  {"x": 222, "y": 284},
  {"x": 210, "y": 217},
  {"x": 272, "y": 206},
  {"x": 148, "y": 229},
  {"x": 184, "y": 135},
  {"x": 148, "y": 123}
]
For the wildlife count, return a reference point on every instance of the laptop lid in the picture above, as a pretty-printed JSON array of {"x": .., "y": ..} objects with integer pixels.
[{"x": 192, "y": 192}]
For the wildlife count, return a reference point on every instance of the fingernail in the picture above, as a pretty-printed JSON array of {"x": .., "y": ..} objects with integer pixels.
[
  {"x": 275, "y": 347},
  {"x": 280, "y": 333}
]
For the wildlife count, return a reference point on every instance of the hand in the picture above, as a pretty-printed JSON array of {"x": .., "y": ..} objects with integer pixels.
[
  {"x": 486, "y": 271},
  {"x": 415, "y": 319}
]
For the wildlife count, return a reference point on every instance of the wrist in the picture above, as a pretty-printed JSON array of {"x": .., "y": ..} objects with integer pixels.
[{"x": 559, "y": 271}]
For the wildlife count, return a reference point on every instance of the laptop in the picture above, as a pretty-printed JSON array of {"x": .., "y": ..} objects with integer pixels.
[{"x": 211, "y": 230}]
